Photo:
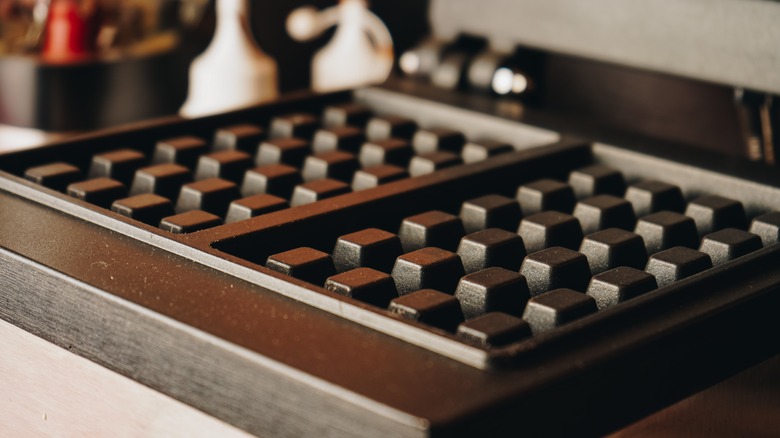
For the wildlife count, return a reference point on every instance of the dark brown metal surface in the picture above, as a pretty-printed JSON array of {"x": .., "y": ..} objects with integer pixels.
[{"x": 594, "y": 372}]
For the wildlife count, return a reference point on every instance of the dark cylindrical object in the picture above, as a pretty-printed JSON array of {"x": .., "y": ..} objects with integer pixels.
[{"x": 90, "y": 95}]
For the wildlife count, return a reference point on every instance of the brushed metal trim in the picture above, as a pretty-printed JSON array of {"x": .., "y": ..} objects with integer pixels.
[
  {"x": 49, "y": 391},
  {"x": 474, "y": 125},
  {"x": 248, "y": 390}
]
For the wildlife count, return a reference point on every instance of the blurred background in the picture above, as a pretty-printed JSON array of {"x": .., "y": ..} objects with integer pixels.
[{"x": 137, "y": 64}]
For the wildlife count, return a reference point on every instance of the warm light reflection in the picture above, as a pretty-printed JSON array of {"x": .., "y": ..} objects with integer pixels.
[
  {"x": 409, "y": 63},
  {"x": 506, "y": 81}
]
